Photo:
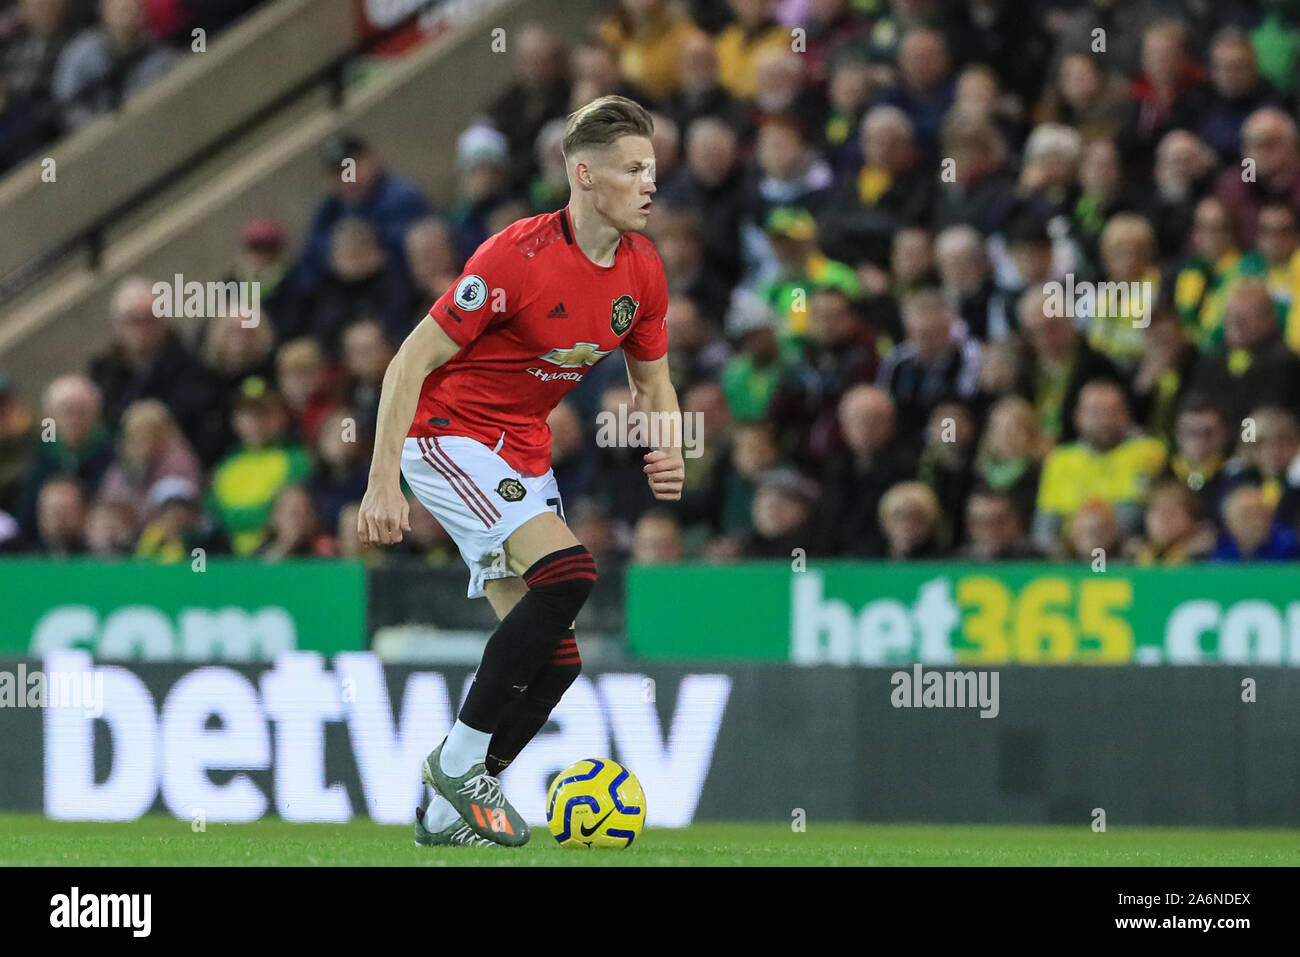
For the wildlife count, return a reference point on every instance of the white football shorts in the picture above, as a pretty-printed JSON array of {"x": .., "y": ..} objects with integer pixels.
[{"x": 477, "y": 497}]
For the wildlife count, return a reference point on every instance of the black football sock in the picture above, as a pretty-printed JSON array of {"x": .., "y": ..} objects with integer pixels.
[
  {"x": 527, "y": 713},
  {"x": 558, "y": 585}
]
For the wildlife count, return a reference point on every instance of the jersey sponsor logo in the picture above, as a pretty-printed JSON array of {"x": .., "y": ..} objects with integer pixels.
[
  {"x": 553, "y": 376},
  {"x": 512, "y": 490},
  {"x": 577, "y": 355},
  {"x": 471, "y": 293},
  {"x": 621, "y": 313}
]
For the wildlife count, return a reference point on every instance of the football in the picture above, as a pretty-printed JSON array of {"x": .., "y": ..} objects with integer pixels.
[{"x": 595, "y": 803}]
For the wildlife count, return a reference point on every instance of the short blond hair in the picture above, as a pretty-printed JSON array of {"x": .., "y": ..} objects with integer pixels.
[{"x": 602, "y": 121}]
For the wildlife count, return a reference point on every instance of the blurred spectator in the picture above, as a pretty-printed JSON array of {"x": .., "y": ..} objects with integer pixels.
[
  {"x": 858, "y": 474},
  {"x": 150, "y": 448},
  {"x": 890, "y": 190},
  {"x": 1170, "y": 93},
  {"x": 1058, "y": 365},
  {"x": 783, "y": 92},
  {"x": 20, "y": 129},
  {"x": 740, "y": 45},
  {"x": 435, "y": 260},
  {"x": 1163, "y": 375},
  {"x": 848, "y": 98},
  {"x": 359, "y": 283},
  {"x": 571, "y": 460},
  {"x": 995, "y": 528},
  {"x": 1278, "y": 244},
  {"x": 591, "y": 526},
  {"x": 783, "y": 517},
  {"x": 1125, "y": 300},
  {"x": 1237, "y": 90},
  {"x": 1083, "y": 95},
  {"x": 938, "y": 362},
  {"x": 359, "y": 186},
  {"x": 909, "y": 516},
  {"x": 482, "y": 170},
  {"x": 1103, "y": 192},
  {"x": 73, "y": 442},
  {"x": 790, "y": 171},
  {"x": 246, "y": 482},
  {"x": 593, "y": 67},
  {"x": 1255, "y": 367},
  {"x": 264, "y": 258},
  {"x": 1010, "y": 456},
  {"x": 925, "y": 88},
  {"x": 700, "y": 92},
  {"x": 1110, "y": 462},
  {"x": 976, "y": 189},
  {"x": 1049, "y": 172},
  {"x": 1094, "y": 532},
  {"x": 623, "y": 490},
  {"x": 145, "y": 359},
  {"x": 1271, "y": 144},
  {"x": 103, "y": 65},
  {"x": 28, "y": 60},
  {"x": 657, "y": 540},
  {"x": 1124, "y": 25},
  {"x": 1199, "y": 452},
  {"x": 696, "y": 351},
  {"x": 1252, "y": 534},
  {"x": 714, "y": 188},
  {"x": 751, "y": 375},
  {"x": 705, "y": 414},
  {"x": 110, "y": 529},
  {"x": 840, "y": 352},
  {"x": 1217, "y": 263},
  {"x": 831, "y": 27},
  {"x": 231, "y": 350},
  {"x": 945, "y": 466},
  {"x": 1184, "y": 174},
  {"x": 725, "y": 502},
  {"x": 179, "y": 526},
  {"x": 308, "y": 386},
  {"x": 60, "y": 518},
  {"x": 538, "y": 93},
  {"x": 1176, "y": 530},
  {"x": 366, "y": 354},
  {"x": 968, "y": 283},
  {"x": 676, "y": 235},
  {"x": 342, "y": 465},
  {"x": 294, "y": 528},
  {"x": 1271, "y": 460},
  {"x": 548, "y": 190},
  {"x": 427, "y": 540},
  {"x": 647, "y": 35},
  {"x": 799, "y": 268}
]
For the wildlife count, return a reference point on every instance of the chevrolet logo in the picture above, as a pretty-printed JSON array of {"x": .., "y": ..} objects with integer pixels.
[{"x": 582, "y": 354}]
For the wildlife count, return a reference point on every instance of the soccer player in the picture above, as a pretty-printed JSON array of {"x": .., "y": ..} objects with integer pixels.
[{"x": 463, "y": 414}]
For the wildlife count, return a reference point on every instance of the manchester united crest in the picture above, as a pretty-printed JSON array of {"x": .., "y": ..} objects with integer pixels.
[
  {"x": 622, "y": 314},
  {"x": 512, "y": 490}
]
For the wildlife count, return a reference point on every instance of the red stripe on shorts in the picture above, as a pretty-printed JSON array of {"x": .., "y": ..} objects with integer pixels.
[
  {"x": 452, "y": 481},
  {"x": 441, "y": 452}
]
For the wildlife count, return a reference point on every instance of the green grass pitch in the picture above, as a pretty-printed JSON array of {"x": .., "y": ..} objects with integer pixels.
[{"x": 27, "y": 839}]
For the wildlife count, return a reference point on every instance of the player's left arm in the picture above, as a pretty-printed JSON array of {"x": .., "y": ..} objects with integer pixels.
[{"x": 653, "y": 394}]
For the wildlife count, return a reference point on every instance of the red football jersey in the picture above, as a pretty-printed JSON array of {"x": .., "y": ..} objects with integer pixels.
[{"x": 533, "y": 314}]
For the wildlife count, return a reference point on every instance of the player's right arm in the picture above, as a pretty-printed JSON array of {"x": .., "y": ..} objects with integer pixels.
[{"x": 384, "y": 513}]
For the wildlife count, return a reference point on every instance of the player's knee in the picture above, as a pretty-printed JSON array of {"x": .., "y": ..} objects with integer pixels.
[{"x": 563, "y": 580}]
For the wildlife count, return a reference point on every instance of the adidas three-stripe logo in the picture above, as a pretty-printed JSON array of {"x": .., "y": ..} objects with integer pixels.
[{"x": 558, "y": 312}]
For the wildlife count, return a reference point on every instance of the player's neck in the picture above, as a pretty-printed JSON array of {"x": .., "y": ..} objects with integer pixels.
[{"x": 597, "y": 239}]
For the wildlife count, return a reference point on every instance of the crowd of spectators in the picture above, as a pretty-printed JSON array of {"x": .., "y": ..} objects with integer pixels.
[
  {"x": 866, "y": 212},
  {"x": 64, "y": 62}
]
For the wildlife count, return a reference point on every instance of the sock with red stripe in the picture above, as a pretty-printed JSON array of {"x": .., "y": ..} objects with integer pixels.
[
  {"x": 558, "y": 586},
  {"x": 528, "y": 712}
]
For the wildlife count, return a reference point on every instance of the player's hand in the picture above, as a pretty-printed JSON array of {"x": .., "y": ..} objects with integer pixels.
[
  {"x": 666, "y": 472},
  {"x": 383, "y": 516}
]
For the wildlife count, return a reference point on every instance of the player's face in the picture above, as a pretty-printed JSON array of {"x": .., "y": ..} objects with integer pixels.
[{"x": 624, "y": 182}]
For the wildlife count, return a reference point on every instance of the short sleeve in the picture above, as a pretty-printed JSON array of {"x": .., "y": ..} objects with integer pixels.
[
  {"x": 485, "y": 294},
  {"x": 648, "y": 339}
]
